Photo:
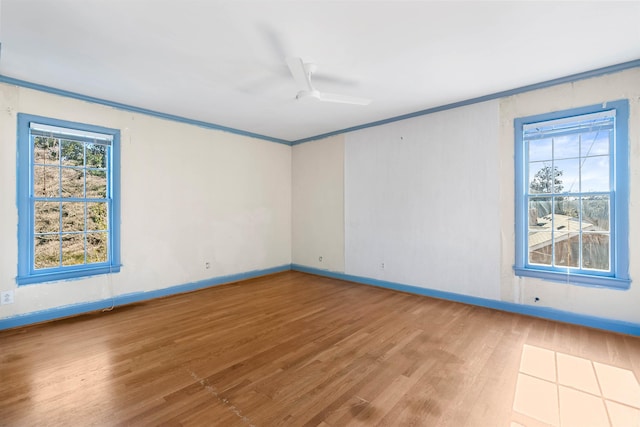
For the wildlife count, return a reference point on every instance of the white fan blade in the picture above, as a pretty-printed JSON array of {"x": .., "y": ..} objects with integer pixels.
[
  {"x": 299, "y": 73},
  {"x": 343, "y": 99}
]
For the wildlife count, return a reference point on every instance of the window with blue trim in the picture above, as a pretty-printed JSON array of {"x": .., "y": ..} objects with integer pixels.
[
  {"x": 68, "y": 199},
  {"x": 572, "y": 180}
]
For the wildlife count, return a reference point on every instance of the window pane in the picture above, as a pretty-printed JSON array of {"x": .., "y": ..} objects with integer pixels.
[
  {"x": 97, "y": 216},
  {"x": 46, "y": 251},
  {"x": 540, "y": 247},
  {"x": 541, "y": 177},
  {"x": 595, "y": 143},
  {"x": 595, "y": 174},
  {"x": 72, "y": 249},
  {"x": 540, "y": 211},
  {"x": 567, "y": 249},
  {"x": 567, "y": 177},
  {"x": 96, "y": 184},
  {"x": 73, "y": 216},
  {"x": 96, "y": 247},
  {"x": 595, "y": 251},
  {"x": 46, "y": 181},
  {"x": 567, "y": 213},
  {"x": 96, "y": 156},
  {"x": 595, "y": 213},
  {"x": 47, "y": 217},
  {"x": 540, "y": 230},
  {"x": 565, "y": 147},
  {"x": 540, "y": 149},
  {"x": 72, "y": 182},
  {"x": 72, "y": 153},
  {"x": 45, "y": 150}
]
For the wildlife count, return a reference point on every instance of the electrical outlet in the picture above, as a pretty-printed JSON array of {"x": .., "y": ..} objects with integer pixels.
[
  {"x": 320, "y": 258},
  {"x": 207, "y": 265},
  {"x": 6, "y": 297},
  {"x": 382, "y": 266}
]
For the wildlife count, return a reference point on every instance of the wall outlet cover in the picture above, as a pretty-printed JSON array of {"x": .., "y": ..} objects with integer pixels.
[{"x": 6, "y": 297}]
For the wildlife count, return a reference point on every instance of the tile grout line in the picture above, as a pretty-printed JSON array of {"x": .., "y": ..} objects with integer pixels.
[
  {"x": 604, "y": 402},
  {"x": 557, "y": 381}
]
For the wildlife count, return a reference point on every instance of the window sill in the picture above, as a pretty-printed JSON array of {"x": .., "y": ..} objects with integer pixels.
[
  {"x": 575, "y": 279},
  {"x": 66, "y": 274}
]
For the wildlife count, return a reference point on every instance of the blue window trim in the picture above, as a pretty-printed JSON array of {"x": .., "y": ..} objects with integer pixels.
[
  {"x": 26, "y": 273},
  {"x": 619, "y": 279}
]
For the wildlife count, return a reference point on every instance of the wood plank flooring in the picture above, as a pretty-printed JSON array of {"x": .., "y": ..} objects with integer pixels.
[{"x": 301, "y": 350}]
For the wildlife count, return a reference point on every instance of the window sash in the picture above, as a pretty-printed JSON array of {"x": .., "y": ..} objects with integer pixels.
[
  {"x": 48, "y": 131},
  {"x": 604, "y": 120},
  {"x": 557, "y": 233},
  {"x": 552, "y": 129},
  {"x": 83, "y": 137}
]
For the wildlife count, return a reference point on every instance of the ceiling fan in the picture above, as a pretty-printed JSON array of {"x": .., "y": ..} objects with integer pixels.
[{"x": 302, "y": 73}]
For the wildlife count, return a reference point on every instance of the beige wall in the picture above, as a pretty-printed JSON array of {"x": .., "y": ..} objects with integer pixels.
[
  {"x": 190, "y": 195},
  {"x": 253, "y": 204},
  {"x": 318, "y": 204},
  {"x": 421, "y": 197},
  {"x": 400, "y": 206}
]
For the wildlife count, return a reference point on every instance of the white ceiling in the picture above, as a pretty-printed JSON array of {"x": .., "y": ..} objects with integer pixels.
[{"x": 223, "y": 62}]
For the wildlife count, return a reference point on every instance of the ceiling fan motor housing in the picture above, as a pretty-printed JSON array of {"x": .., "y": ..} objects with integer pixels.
[{"x": 307, "y": 94}]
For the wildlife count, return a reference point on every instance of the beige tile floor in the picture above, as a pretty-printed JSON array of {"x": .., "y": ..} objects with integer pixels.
[{"x": 562, "y": 390}]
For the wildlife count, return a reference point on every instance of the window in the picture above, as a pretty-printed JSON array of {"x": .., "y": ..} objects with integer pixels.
[
  {"x": 572, "y": 195},
  {"x": 68, "y": 199}
]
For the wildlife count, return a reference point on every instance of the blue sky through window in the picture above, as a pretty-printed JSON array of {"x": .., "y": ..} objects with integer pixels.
[{"x": 583, "y": 160}]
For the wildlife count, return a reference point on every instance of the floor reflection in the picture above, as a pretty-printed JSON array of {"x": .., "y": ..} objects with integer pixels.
[
  {"x": 76, "y": 384},
  {"x": 559, "y": 389}
]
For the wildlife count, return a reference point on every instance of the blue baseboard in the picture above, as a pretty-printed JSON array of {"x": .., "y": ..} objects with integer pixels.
[
  {"x": 529, "y": 310},
  {"x": 119, "y": 300}
]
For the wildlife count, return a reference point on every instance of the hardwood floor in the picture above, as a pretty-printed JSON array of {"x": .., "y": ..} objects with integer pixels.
[{"x": 296, "y": 349}]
